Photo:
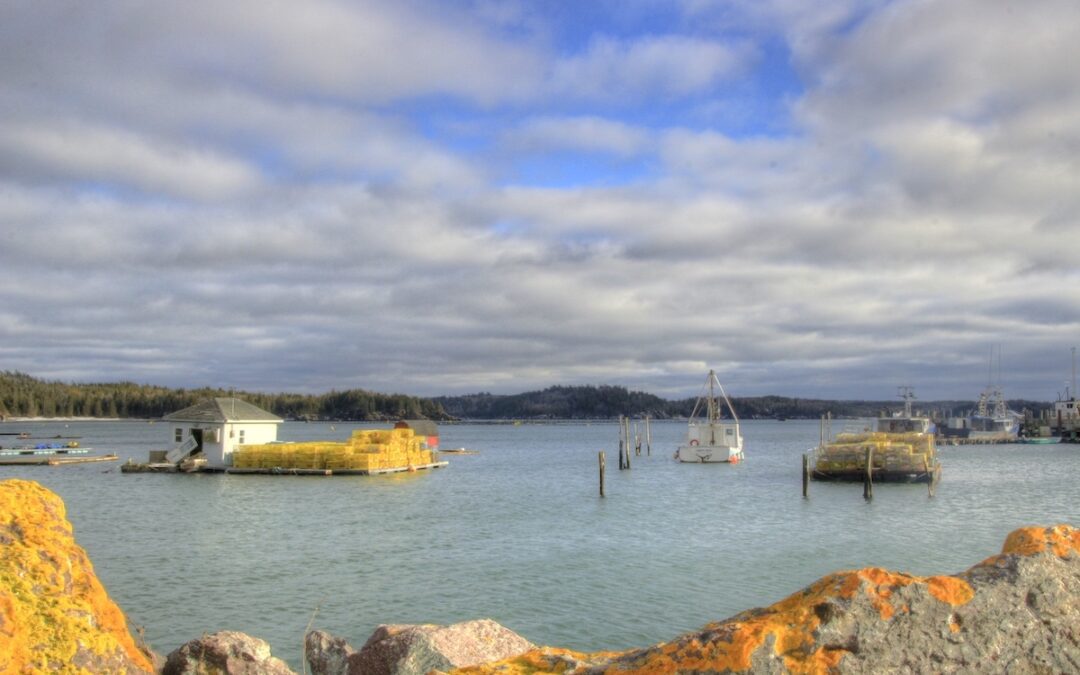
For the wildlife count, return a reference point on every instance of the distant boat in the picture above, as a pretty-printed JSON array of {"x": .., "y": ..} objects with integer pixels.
[
  {"x": 710, "y": 438},
  {"x": 1039, "y": 440},
  {"x": 900, "y": 448},
  {"x": 990, "y": 420},
  {"x": 1066, "y": 420}
]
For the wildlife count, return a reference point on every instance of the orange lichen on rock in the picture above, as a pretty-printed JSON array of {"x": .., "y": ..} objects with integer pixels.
[
  {"x": 540, "y": 660},
  {"x": 1061, "y": 540},
  {"x": 55, "y": 615},
  {"x": 873, "y": 619},
  {"x": 951, "y": 590},
  {"x": 788, "y": 628}
]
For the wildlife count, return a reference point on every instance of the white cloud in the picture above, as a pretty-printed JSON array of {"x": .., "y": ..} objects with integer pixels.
[
  {"x": 587, "y": 133},
  {"x": 308, "y": 197},
  {"x": 666, "y": 65},
  {"x": 100, "y": 155}
]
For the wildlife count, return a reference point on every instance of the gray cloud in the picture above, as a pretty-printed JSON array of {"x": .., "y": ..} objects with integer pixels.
[{"x": 279, "y": 197}]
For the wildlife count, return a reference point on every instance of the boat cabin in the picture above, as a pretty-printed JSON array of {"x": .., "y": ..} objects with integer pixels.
[
  {"x": 427, "y": 430},
  {"x": 905, "y": 425},
  {"x": 215, "y": 427}
]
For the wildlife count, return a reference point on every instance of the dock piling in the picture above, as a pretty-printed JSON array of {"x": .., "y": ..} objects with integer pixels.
[
  {"x": 626, "y": 435},
  {"x": 603, "y": 462},
  {"x": 648, "y": 437},
  {"x": 868, "y": 480},
  {"x": 805, "y": 474}
]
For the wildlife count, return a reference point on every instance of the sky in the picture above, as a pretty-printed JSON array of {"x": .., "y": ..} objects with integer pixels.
[{"x": 828, "y": 200}]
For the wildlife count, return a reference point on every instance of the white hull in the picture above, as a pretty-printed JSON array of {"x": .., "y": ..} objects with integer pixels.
[
  {"x": 708, "y": 454},
  {"x": 710, "y": 439}
]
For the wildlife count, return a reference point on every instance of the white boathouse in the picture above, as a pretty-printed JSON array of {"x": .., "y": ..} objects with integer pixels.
[{"x": 216, "y": 426}]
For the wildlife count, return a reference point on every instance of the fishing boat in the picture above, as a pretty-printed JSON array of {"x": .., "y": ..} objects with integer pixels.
[
  {"x": 709, "y": 437},
  {"x": 893, "y": 448},
  {"x": 1066, "y": 421},
  {"x": 990, "y": 421}
]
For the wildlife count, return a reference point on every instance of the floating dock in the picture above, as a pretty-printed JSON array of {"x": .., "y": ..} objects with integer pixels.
[
  {"x": 367, "y": 452},
  {"x": 281, "y": 471},
  {"x": 957, "y": 440},
  {"x": 53, "y": 459},
  {"x": 165, "y": 467}
]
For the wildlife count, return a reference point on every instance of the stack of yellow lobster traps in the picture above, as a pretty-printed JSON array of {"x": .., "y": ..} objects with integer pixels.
[
  {"x": 367, "y": 450},
  {"x": 893, "y": 455}
]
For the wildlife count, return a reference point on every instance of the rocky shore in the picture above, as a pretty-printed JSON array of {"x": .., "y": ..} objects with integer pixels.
[{"x": 1015, "y": 612}]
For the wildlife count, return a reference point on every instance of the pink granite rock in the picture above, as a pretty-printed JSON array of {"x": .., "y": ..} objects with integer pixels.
[
  {"x": 227, "y": 653},
  {"x": 409, "y": 649}
]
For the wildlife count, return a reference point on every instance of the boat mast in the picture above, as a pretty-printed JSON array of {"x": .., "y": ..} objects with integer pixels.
[
  {"x": 908, "y": 395},
  {"x": 714, "y": 413},
  {"x": 727, "y": 401},
  {"x": 1070, "y": 394}
]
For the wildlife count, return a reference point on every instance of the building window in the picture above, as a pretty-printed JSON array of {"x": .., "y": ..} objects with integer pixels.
[
  {"x": 178, "y": 435},
  {"x": 241, "y": 441}
]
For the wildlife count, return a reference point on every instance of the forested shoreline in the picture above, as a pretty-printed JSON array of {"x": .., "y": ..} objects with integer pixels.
[{"x": 24, "y": 396}]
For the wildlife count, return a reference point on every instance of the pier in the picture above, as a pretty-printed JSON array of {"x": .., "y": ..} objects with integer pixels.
[
  {"x": 955, "y": 440},
  {"x": 53, "y": 459},
  {"x": 165, "y": 467}
]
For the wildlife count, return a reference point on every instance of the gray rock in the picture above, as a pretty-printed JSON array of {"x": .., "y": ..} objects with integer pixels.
[
  {"x": 415, "y": 649},
  {"x": 1017, "y": 612},
  {"x": 326, "y": 654},
  {"x": 225, "y": 653}
]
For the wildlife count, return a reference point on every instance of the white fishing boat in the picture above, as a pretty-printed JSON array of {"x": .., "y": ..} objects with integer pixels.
[{"x": 709, "y": 437}]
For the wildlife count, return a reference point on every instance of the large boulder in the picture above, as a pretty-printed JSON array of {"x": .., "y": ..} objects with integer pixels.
[
  {"x": 327, "y": 654},
  {"x": 54, "y": 612},
  {"x": 1017, "y": 612},
  {"x": 410, "y": 649},
  {"x": 225, "y": 653}
]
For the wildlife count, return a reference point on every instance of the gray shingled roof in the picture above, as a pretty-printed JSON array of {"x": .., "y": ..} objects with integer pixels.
[{"x": 222, "y": 410}]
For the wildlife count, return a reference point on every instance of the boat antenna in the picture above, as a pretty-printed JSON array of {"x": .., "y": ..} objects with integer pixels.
[
  {"x": 1072, "y": 394},
  {"x": 906, "y": 393}
]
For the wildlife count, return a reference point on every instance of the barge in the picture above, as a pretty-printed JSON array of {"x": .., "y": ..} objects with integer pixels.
[
  {"x": 897, "y": 449},
  {"x": 228, "y": 435}
]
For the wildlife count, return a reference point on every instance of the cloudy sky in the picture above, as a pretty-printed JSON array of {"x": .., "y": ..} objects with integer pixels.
[{"x": 827, "y": 199}]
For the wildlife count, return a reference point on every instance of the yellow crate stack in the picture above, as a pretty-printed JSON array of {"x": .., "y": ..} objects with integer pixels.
[{"x": 366, "y": 450}]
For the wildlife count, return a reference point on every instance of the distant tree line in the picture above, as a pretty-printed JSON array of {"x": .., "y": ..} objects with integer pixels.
[
  {"x": 24, "y": 396},
  {"x": 605, "y": 402}
]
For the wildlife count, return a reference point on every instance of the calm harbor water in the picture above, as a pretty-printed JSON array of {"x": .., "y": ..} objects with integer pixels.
[{"x": 518, "y": 532}]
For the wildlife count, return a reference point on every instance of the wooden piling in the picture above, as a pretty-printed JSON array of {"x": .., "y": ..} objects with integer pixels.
[
  {"x": 931, "y": 476},
  {"x": 868, "y": 480},
  {"x": 603, "y": 462},
  {"x": 805, "y": 474},
  {"x": 648, "y": 437},
  {"x": 624, "y": 442},
  {"x": 627, "y": 442}
]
